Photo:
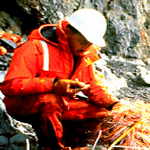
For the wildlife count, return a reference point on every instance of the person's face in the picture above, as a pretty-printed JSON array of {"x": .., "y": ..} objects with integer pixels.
[{"x": 78, "y": 44}]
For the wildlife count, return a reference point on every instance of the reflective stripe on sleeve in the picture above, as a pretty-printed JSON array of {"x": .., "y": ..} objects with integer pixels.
[{"x": 45, "y": 56}]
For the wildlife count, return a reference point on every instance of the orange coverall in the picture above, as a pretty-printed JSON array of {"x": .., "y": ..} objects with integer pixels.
[{"x": 28, "y": 85}]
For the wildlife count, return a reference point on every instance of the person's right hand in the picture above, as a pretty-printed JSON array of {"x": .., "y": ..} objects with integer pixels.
[{"x": 67, "y": 87}]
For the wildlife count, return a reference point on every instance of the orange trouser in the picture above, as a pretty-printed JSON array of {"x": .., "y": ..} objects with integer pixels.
[{"x": 46, "y": 111}]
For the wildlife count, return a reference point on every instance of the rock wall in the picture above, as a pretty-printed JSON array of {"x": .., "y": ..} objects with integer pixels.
[{"x": 128, "y": 21}]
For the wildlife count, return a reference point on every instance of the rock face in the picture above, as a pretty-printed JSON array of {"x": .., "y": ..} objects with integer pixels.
[
  {"x": 126, "y": 78},
  {"x": 128, "y": 21},
  {"x": 125, "y": 61},
  {"x": 127, "y": 33}
]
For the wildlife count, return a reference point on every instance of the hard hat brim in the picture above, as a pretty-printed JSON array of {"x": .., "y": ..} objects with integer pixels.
[
  {"x": 90, "y": 23},
  {"x": 100, "y": 42}
]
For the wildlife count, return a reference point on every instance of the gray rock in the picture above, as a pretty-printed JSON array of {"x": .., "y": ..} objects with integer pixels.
[
  {"x": 5, "y": 148},
  {"x": 144, "y": 77},
  {"x": 18, "y": 139},
  {"x": 15, "y": 147},
  {"x": 2, "y": 109},
  {"x": 3, "y": 141},
  {"x": 2, "y": 131}
]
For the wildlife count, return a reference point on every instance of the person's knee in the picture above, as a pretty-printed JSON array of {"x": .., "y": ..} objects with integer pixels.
[{"x": 49, "y": 103}]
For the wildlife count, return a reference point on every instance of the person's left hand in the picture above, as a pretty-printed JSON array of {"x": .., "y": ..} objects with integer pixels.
[{"x": 67, "y": 87}]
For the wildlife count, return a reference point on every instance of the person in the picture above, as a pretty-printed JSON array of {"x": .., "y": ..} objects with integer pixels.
[{"x": 48, "y": 72}]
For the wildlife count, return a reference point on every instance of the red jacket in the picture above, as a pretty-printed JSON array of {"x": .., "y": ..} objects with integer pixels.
[{"x": 42, "y": 60}]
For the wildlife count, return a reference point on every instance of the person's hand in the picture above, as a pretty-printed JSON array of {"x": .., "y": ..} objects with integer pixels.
[{"x": 67, "y": 87}]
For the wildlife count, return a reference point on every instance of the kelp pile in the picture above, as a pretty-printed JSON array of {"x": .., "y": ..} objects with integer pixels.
[{"x": 126, "y": 127}]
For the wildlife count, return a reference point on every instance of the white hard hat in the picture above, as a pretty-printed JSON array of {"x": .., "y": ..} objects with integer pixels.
[{"x": 90, "y": 23}]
